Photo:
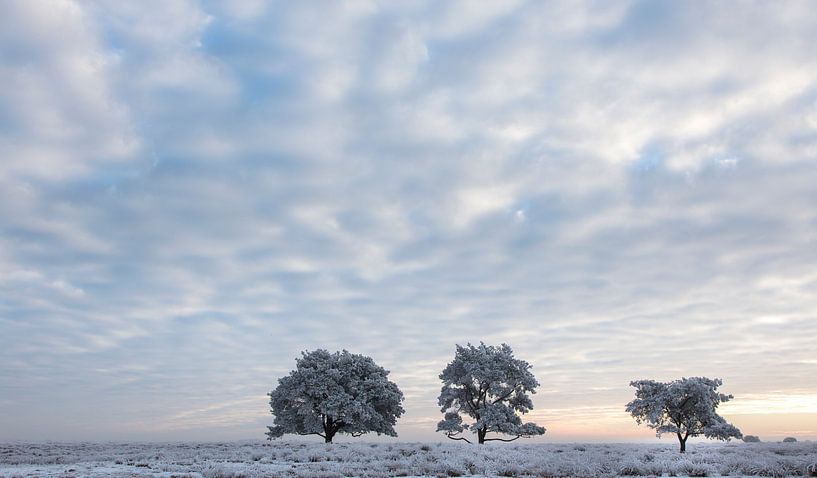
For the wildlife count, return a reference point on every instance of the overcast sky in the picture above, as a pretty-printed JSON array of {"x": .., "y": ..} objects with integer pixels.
[{"x": 193, "y": 192}]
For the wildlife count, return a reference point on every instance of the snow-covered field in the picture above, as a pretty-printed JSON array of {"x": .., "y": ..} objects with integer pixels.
[{"x": 257, "y": 459}]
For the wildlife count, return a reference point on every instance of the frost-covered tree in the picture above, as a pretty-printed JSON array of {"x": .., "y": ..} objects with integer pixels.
[
  {"x": 686, "y": 407},
  {"x": 330, "y": 393},
  {"x": 490, "y": 386}
]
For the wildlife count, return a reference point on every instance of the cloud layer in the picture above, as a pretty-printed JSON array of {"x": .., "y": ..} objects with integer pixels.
[{"x": 191, "y": 193}]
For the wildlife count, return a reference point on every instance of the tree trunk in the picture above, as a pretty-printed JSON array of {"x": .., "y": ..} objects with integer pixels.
[
  {"x": 481, "y": 435},
  {"x": 683, "y": 442},
  {"x": 329, "y": 429}
]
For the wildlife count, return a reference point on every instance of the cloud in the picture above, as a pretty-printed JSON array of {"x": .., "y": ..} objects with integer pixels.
[
  {"x": 57, "y": 91},
  {"x": 194, "y": 192}
]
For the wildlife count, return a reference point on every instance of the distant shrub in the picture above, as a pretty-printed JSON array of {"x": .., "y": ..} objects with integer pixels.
[
  {"x": 220, "y": 471},
  {"x": 751, "y": 439},
  {"x": 789, "y": 440},
  {"x": 701, "y": 469},
  {"x": 508, "y": 469},
  {"x": 630, "y": 467}
]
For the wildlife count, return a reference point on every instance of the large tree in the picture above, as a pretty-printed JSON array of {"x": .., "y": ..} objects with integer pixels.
[
  {"x": 489, "y": 385},
  {"x": 330, "y": 393},
  {"x": 687, "y": 407}
]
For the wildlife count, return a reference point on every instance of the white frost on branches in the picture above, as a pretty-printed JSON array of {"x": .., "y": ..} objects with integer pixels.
[
  {"x": 331, "y": 393},
  {"x": 490, "y": 386},
  {"x": 686, "y": 407}
]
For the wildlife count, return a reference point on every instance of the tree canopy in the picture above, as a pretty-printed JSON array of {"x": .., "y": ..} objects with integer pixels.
[
  {"x": 489, "y": 385},
  {"x": 330, "y": 393},
  {"x": 686, "y": 407}
]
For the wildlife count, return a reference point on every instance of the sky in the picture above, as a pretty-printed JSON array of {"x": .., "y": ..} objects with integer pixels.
[{"x": 194, "y": 192}]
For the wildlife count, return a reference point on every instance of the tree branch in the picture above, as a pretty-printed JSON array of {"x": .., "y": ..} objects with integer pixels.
[
  {"x": 503, "y": 397},
  {"x": 483, "y": 394},
  {"x": 470, "y": 399},
  {"x": 682, "y": 409},
  {"x": 452, "y": 437},
  {"x": 504, "y": 439}
]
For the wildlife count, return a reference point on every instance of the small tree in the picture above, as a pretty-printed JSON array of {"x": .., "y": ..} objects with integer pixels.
[
  {"x": 330, "y": 393},
  {"x": 686, "y": 407},
  {"x": 489, "y": 385},
  {"x": 751, "y": 439}
]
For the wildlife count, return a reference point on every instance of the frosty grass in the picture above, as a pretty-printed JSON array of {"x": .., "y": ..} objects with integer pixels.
[{"x": 294, "y": 459}]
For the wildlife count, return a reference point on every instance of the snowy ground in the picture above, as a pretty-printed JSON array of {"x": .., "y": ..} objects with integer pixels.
[{"x": 257, "y": 459}]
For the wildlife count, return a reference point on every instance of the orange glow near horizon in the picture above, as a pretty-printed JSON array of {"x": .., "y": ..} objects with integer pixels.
[{"x": 771, "y": 417}]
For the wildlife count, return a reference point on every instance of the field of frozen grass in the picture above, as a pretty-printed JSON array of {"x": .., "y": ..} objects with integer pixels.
[{"x": 264, "y": 459}]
